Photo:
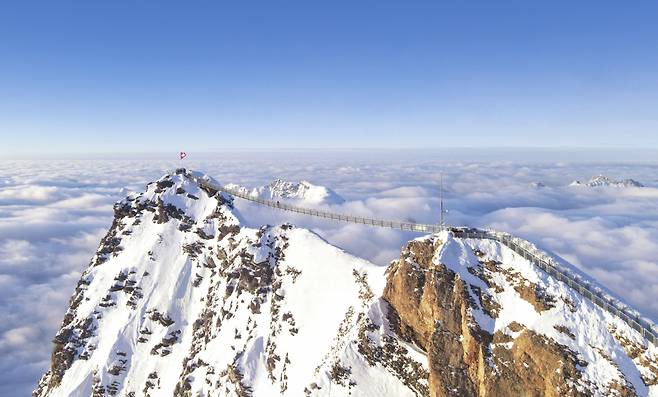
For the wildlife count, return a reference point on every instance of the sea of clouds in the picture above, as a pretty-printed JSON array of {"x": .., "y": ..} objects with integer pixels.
[{"x": 54, "y": 212}]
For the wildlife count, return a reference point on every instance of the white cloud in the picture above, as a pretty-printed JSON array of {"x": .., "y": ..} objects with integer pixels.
[
  {"x": 15, "y": 252},
  {"x": 28, "y": 193},
  {"x": 18, "y": 336}
]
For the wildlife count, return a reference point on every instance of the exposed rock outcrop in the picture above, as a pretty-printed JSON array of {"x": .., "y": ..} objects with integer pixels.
[{"x": 439, "y": 307}]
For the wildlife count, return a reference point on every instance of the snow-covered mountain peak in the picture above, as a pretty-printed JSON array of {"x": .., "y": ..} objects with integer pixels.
[
  {"x": 181, "y": 190},
  {"x": 181, "y": 299},
  {"x": 602, "y": 180},
  {"x": 302, "y": 191}
]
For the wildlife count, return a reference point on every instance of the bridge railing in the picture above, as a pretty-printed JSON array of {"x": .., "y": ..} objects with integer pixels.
[
  {"x": 407, "y": 226},
  {"x": 522, "y": 247}
]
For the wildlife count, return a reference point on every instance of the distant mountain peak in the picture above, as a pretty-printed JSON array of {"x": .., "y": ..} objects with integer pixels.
[
  {"x": 602, "y": 180},
  {"x": 303, "y": 191}
]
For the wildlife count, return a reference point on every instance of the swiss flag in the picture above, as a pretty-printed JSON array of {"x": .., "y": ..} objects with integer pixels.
[{"x": 183, "y": 155}]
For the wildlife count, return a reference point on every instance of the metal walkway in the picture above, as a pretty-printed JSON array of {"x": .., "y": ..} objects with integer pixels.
[
  {"x": 522, "y": 247},
  {"x": 406, "y": 226}
]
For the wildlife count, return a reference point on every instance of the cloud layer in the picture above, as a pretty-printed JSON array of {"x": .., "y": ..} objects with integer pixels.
[{"x": 53, "y": 213}]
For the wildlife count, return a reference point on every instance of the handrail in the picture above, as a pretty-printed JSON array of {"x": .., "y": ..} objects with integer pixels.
[
  {"x": 329, "y": 215},
  {"x": 522, "y": 247}
]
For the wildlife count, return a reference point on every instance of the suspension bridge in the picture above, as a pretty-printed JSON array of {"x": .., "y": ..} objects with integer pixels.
[{"x": 561, "y": 271}]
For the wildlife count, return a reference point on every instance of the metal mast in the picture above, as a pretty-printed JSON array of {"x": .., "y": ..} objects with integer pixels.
[{"x": 443, "y": 211}]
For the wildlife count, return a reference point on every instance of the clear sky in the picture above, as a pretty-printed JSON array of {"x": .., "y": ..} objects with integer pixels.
[{"x": 135, "y": 76}]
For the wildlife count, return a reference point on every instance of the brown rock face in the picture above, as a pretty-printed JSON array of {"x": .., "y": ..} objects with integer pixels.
[{"x": 432, "y": 307}]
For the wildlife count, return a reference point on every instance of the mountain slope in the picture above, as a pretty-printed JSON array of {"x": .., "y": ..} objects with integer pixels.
[{"x": 182, "y": 299}]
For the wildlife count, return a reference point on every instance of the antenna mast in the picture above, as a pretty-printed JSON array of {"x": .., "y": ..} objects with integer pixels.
[{"x": 443, "y": 211}]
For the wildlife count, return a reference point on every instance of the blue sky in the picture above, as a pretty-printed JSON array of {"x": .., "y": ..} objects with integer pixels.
[{"x": 136, "y": 76}]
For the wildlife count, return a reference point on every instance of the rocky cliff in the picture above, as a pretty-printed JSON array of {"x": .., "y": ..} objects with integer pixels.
[{"x": 491, "y": 324}]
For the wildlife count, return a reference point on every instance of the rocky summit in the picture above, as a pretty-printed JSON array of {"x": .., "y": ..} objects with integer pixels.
[{"x": 183, "y": 299}]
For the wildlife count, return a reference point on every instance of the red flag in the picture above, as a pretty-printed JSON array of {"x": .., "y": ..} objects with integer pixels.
[{"x": 183, "y": 155}]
